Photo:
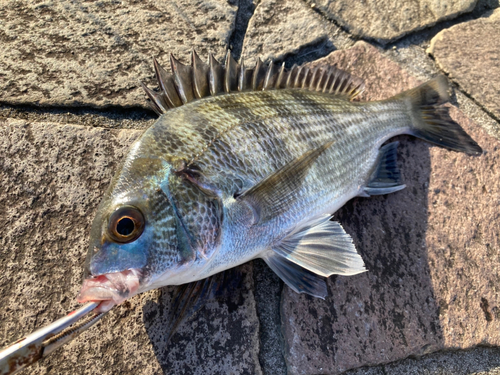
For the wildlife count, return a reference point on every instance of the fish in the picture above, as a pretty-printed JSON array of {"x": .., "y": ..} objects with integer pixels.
[{"x": 247, "y": 163}]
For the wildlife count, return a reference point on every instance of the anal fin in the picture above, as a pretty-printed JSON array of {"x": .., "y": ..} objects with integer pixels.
[
  {"x": 385, "y": 177},
  {"x": 322, "y": 247}
]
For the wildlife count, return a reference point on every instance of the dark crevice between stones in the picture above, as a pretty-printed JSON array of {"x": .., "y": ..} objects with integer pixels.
[
  {"x": 246, "y": 9},
  {"x": 423, "y": 36},
  {"x": 481, "y": 106},
  {"x": 115, "y": 117},
  {"x": 268, "y": 288},
  {"x": 309, "y": 53},
  {"x": 417, "y": 36},
  {"x": 482, "y": 358},
  {"x": 332, "y": 21}
]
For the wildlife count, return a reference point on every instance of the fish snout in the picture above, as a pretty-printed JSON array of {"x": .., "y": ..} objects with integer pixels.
[{"x": 110, "y": 288}]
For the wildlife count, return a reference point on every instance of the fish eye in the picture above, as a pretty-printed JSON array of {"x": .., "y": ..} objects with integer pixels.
[{"x": 126, "y": 224}]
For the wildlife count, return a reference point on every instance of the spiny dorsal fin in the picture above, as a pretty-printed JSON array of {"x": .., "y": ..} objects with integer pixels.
[{"x": 199, "y": 80}]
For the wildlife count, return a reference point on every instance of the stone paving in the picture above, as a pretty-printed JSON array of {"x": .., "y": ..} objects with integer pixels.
[{"x": 70, "y": 105}]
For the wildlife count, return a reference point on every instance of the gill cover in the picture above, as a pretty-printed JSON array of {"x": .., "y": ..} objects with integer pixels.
[
  {"x": 199, "y": 214},
  {"x": 153, "y": 220}
]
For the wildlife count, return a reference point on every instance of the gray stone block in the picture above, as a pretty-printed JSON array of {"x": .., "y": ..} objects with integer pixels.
[
  {"x": 70, "y": 53},
  {"x": 431, "y": 252},
  {"x": 470, "y": 53},
  {"x": 386, "y": 20},
  {"x": 53, "y": 177}
]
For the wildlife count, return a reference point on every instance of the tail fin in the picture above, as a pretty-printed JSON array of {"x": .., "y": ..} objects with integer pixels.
[{"x": 432, "y": 122}]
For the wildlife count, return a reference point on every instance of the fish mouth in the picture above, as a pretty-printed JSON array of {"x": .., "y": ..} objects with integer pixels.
[{"x": 110, "y": 288}]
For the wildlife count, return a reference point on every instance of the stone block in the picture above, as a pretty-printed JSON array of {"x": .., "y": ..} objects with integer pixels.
[
  {"x": 66, "y": 53},
  {"x": 431, "y": 250},
  {"x": 53, "y": 177},
  {"x": 470, "y": 53}
]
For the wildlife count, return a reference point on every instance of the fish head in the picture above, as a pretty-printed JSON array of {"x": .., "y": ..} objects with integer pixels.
[{"x": 143, "y": 235}]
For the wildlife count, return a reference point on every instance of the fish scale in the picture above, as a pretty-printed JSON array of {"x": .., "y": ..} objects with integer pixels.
[
  {"x": 248, "y": 163},
  {"x": 281, "y": 134}
]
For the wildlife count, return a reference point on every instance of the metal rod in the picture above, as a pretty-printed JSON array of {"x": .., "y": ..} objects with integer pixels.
[{"x": 30, "y": 349}]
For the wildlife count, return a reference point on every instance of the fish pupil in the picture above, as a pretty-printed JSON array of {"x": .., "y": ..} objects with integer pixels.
[{"x": 125, "y": 226}]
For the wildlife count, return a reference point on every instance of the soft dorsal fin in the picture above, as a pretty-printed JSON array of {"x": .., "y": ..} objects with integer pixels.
[{"x": 199, "y": 80}]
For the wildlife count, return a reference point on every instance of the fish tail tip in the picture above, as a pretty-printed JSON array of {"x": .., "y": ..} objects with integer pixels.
[{"x": 432, "y": 122}]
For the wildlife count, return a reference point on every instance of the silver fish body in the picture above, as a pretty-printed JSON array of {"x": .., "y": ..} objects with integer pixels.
[{"x": 228, "y": 178}]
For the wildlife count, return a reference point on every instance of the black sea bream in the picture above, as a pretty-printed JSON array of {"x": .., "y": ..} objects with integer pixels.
[{"x": 252, "y": 163}]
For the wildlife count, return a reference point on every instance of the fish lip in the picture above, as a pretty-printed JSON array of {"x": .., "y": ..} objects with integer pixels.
[{"x": 110, "y": 288}]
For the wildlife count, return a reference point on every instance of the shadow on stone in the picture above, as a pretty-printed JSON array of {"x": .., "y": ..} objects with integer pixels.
[
  {"x": 309, "y": 53},
  {"x": 114, "y": 117},
  {"x": 389, "y": 311},
  {"x": 246, "y": 9},
  {"x": 218, "y": 335}
]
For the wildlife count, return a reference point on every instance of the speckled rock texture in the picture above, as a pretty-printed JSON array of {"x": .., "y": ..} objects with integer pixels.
[
  {"x": 469, "y": 52},
  {"x": 280, "y": 28},
  {"x": 387, "y": 20},
  {"x": 93, "y": 53},
  {"x": 479, "y": 361},
  {"x": 52, "y": 179},
  {"x": 431, "y": 252}
]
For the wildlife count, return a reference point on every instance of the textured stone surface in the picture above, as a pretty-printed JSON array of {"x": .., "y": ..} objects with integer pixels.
[
  {"x": 386, "y": 20},
  {"x": 93, "y": 53},
  {"x": 52, "y": 179},
  {"x": 431, "y": 251},
  {"x": 282, "y": 27},
  {"x": 470, "y": 53},
  {"x": 478, "y": 361},
  {"x": 267, "y": 297}
]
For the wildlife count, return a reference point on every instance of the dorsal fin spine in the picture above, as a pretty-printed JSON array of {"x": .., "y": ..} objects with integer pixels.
[
  {"x": 198, "y": 80},
  {"x": 281, "y": 80},
  {"x": 200, "y": 76},
  {"x": 241, "y": 75},
  {"x": 335, "y": 84},
  {"x": 153, "y": 100},
  {"x": 298, "y": 79},
  {"x": 327, "y": 81},
  {"x": 258, "y": 66},
  {"x": 305, "y": 80},
  {"x": 290, "y": 78},
  {"x": 323, "y": 79},
  {"x": 231, "y": 73},
  {"x": 314, "y": 79},
  {"x": 267, "y": 80},
  {"x": 166, "y": 82},
  {"x": 215, "y": 75}
]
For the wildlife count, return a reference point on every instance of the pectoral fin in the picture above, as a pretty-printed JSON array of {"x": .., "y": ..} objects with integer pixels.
[
  {"x": 322, "y": 247},
  {"x": 191, "y": 297},
  {"x": 271, "y": 197}
]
